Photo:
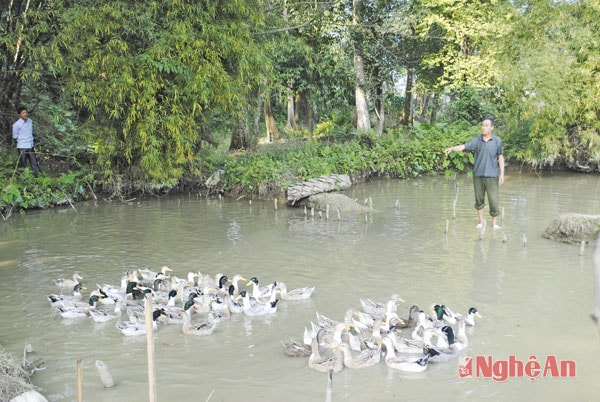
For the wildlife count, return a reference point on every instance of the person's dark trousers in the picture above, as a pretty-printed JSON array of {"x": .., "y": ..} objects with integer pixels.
[{"x": 26, "y": 154}]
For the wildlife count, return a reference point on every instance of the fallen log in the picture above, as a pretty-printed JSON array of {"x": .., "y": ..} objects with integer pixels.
[{"x": 323, "y": 184}]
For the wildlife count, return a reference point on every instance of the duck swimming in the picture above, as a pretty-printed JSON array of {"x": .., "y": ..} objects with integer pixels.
[
  {"x": 379, "y": 309},
  {"x": 260, "y": 308},
  {"x": 447, "y": 350},
  {"x": 469, "y": 319},
  {"x": 76, "y": 309},
  {"x": 366, "y": 358},
  {"x": 203, "y": 328},
  {"x": 294, "y": 294},
  {"x": 104, "y": 316},
  {"x": 75, "y": 297},
  {"x": 410, "y": 322},
  {"x": 323, "y": 364},
  {"x": 295, "y": 348},
  {"x": 410, "y": 365},
  {"x": 68, "y": 283},
  {"x": 136, "y": 328}
]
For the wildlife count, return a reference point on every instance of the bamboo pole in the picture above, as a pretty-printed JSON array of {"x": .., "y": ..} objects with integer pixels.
[
  {"x": 329, "y": 391},
  {"x": 150, "y": 349},
  {"x": 454, "y": 203},
  {"x": 596, "y": 315},
  {"x": 79, "y": 382}
]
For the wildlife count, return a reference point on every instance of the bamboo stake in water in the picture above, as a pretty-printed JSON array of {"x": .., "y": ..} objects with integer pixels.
[
  {"x": 104, "y": 373},
  {"x": 79, "y": 382},
  {"x": 150, "y": 347},
  {"x": 454, "y": 203},
  {"x": 447, "y": 224},
  {"x": 328, "y": 394},
  {"x": 596, "y": 315}
]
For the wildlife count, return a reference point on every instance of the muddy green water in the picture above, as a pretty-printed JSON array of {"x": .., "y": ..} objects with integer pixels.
[{"x": 535, "y": 299}]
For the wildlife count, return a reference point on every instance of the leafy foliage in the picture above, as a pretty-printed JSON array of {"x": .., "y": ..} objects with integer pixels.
[
  {"x": 147, "y": 71},
  {"x": 549, "y": 84},
  {"x": 398, "y": 154},
  {"x": 21, "y": 190}
]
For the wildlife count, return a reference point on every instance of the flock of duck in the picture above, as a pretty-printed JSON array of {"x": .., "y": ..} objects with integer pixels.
[
  {"x": 363, "y": 338},
  {"x": 370, "y": 335},
  {"x": 174, "y": 300}
]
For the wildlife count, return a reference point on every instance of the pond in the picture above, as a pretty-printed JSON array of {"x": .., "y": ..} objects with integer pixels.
[{"x": 535, "y": 297}]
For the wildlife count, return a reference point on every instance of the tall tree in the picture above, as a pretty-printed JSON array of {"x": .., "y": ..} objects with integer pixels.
[
  {"x": 363, "y": 119},
  {"x": 150, "y": 71}
]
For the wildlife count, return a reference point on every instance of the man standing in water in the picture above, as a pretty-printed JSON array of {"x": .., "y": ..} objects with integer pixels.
[
  {"x": 23, "y": 134},
  {"x": 488, "y": 172}
]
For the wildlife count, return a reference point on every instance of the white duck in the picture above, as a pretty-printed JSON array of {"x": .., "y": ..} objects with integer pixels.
[
  {"x": 446, "y": 349},
  {"x": 136, "y": 328},
  {"x": 324, "y": 364},
  {"x": 470, "y": 317},
  {"x": 411, "y": 365},
  {"x": 105, "y": 316},
  {"x": 302, "y": 293},
  {"x": 260, "y": 308},
  {"x": 423, "y": 323},
  {"x": 203, "y": 328},
  {"x": 148, "y": 276},
  {"x": 75, "y": 297},
  {"x": 76, "y": 309},
  {"x": 379, "y": 309},
  {"x": 260, "y": 292},
  {"x": 68, "y": 283},
  {"x": 366, "y": 358}
]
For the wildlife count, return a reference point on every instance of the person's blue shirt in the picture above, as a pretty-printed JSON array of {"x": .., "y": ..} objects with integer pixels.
[
  {"x": 486, "y": 155},
  {"x": 23, "y": 133}
]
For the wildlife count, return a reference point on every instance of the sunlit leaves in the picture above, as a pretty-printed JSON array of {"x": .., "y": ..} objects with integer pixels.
[
  {"x": 467, "y": 32},
  {"x": 550, "y": 81},
  {"x": 151, "y": 69}
]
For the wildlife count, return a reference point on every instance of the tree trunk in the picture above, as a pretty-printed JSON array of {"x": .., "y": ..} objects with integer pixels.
[
  {"x": 298, "y": 106},
  {"x": 272, "y": 133},
  {"x": 291, "y": 115},
  {"x": 408, "y": 99},
  {"x": 239, "y": 139},
  {"x": 363, "y": 122},
  {"x": 257, "y": 114},
  {"x": 310, "y": 112},
  {"x": 380, "y": 110},
  {"x": 425, "y": 107},
  {"x": 434, "y": 108}
]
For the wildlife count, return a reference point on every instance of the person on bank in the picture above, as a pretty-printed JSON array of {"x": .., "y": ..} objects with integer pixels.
[
  {"x": 23, "y": 134},
  {"x": 488, "y": 171}
]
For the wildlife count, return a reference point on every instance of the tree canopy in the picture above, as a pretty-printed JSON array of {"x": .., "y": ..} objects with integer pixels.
[{"x": 146, "y": 87}]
